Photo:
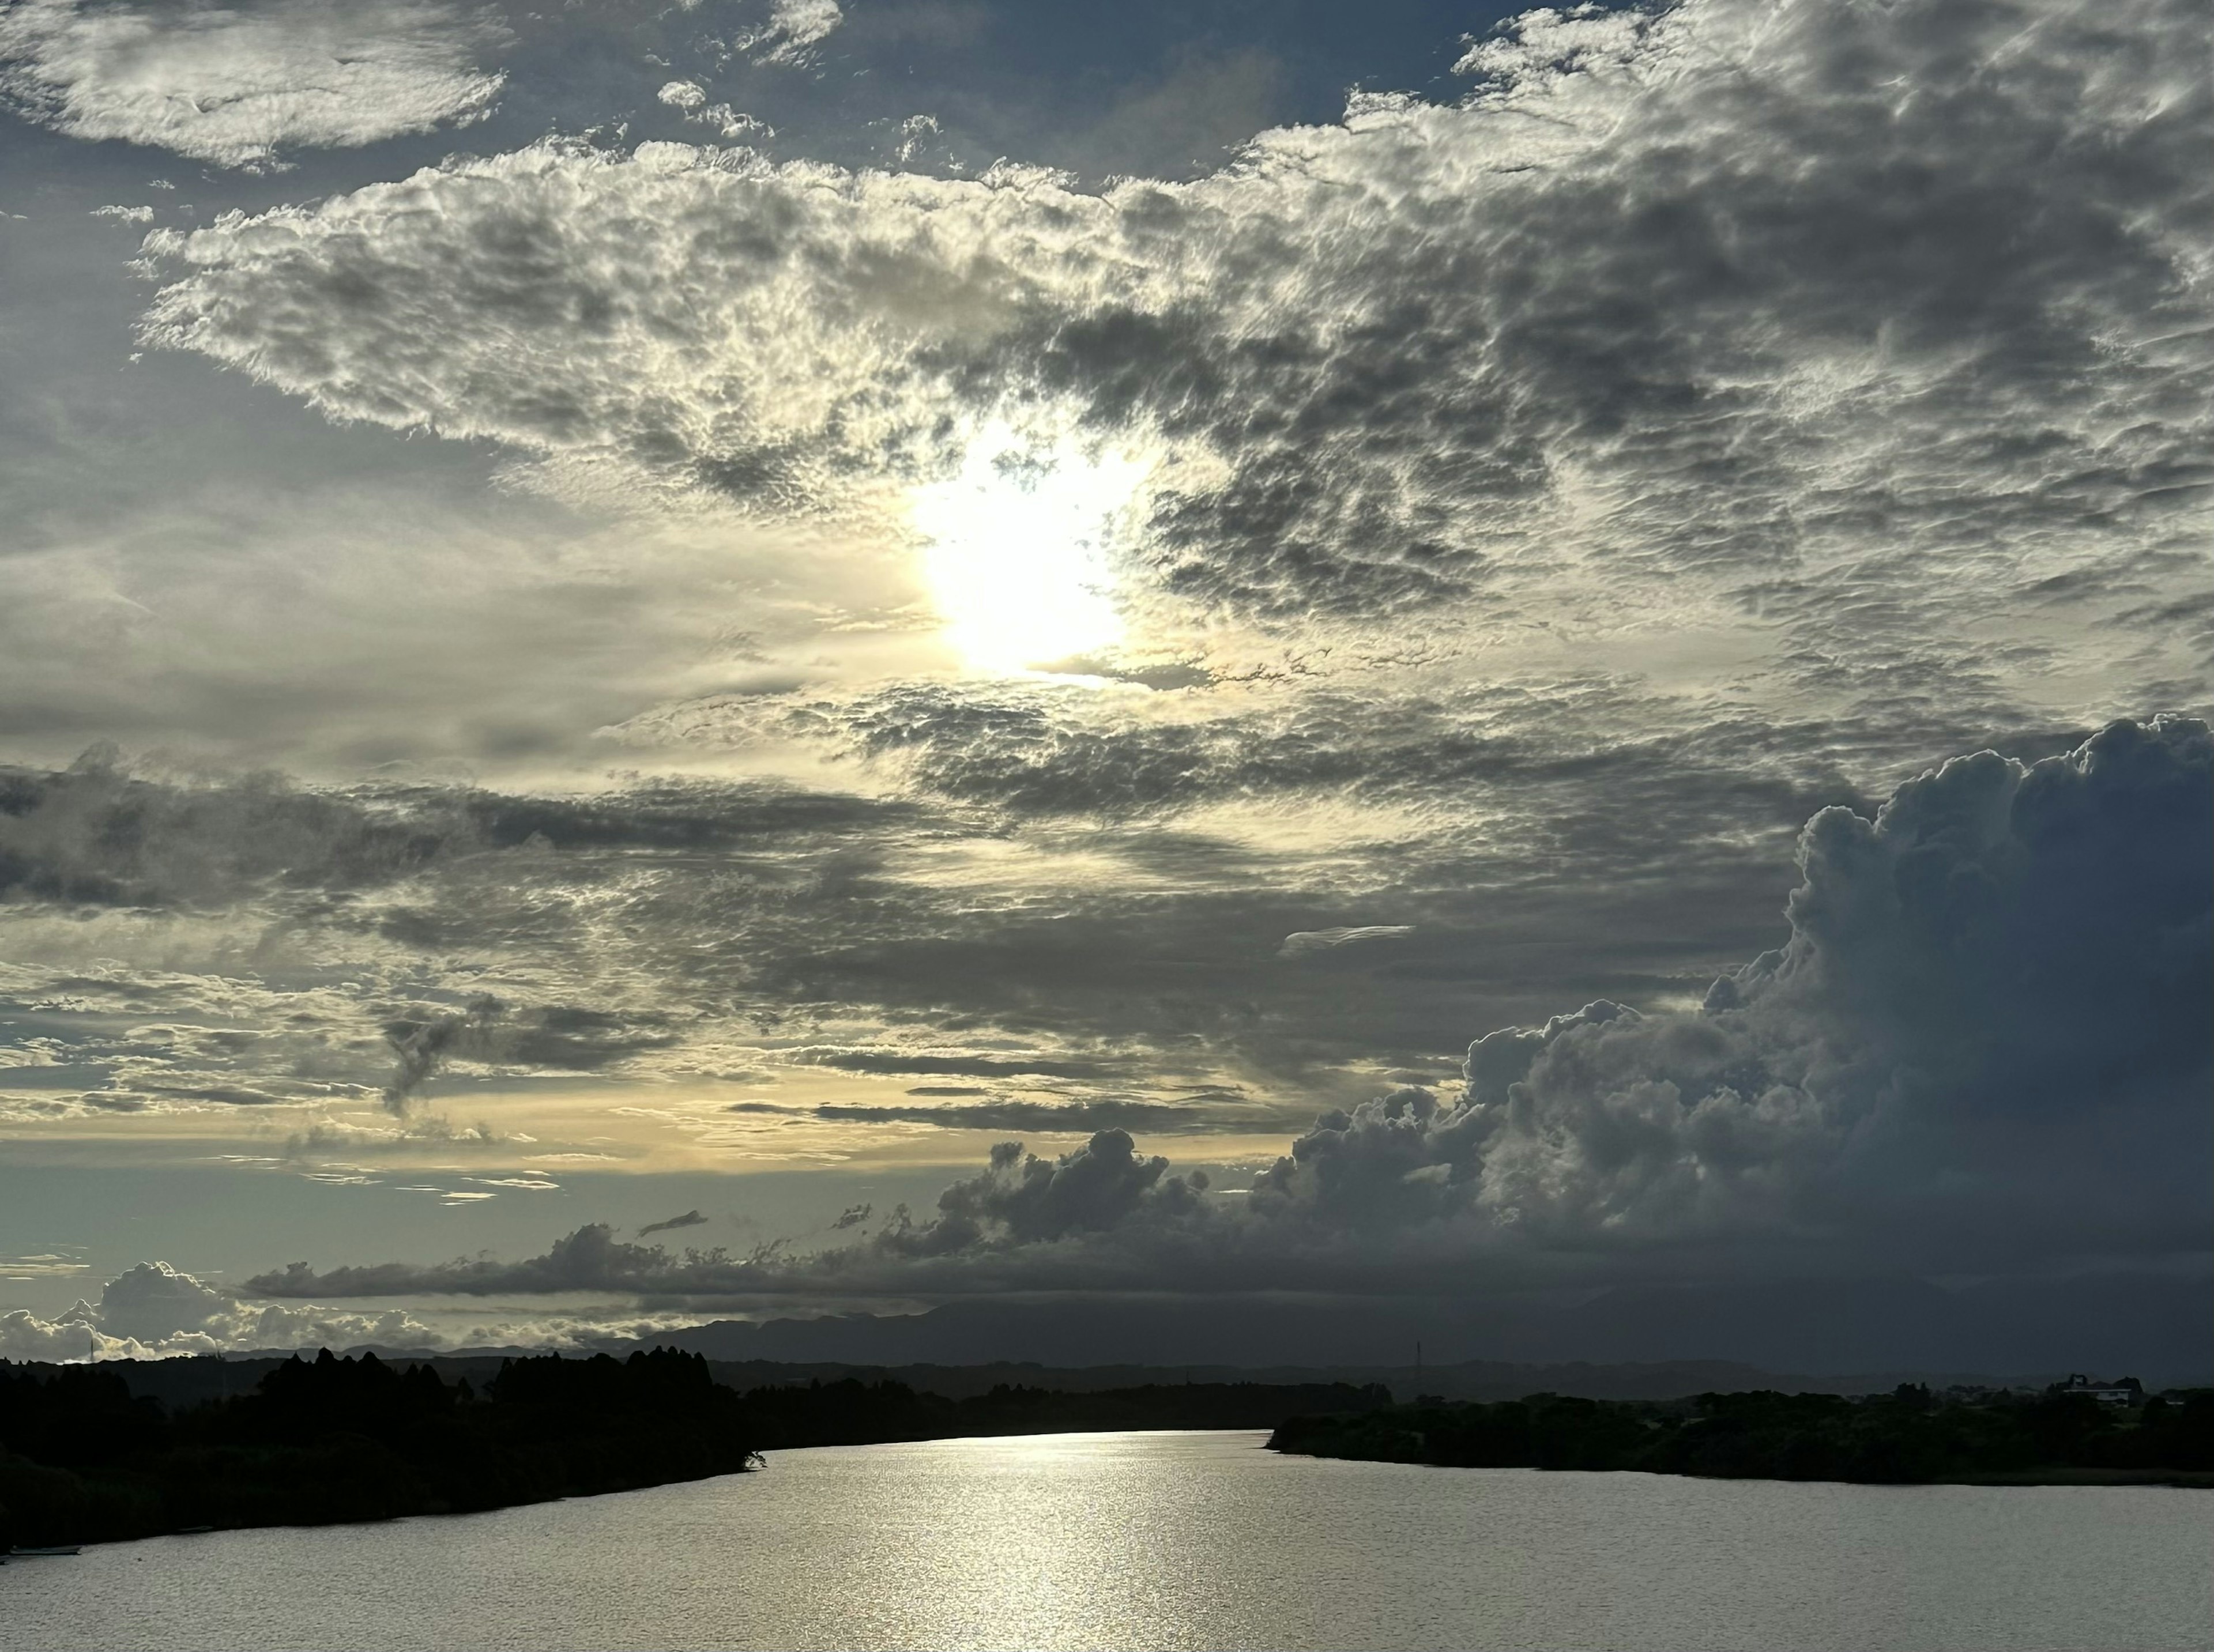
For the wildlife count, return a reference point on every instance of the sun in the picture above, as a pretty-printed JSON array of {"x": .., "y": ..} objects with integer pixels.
[{"x": 1016, "y": 550}]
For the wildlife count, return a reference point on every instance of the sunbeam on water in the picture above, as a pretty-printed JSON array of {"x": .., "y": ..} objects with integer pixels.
[
  {"x": 1172, "y": 1541},
  {"x": 1017, "y": 550}
]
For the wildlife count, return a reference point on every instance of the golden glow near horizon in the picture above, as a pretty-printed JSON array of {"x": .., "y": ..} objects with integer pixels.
[{"x": 1016, "y": 550}]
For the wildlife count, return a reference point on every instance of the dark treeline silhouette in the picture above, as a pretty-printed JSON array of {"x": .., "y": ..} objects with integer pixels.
[
  {"x": 84, "y": 1459},
  {"x": 1908, "y": 1435}
]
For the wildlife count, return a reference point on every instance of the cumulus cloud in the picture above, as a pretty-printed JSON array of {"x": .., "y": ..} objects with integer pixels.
[
  {"x": 1021, "y": 1198},
  {"x": 1787, "y": 305},
  {"x": 589, "y": 1258},
  {"x": 1982, "y": 1045},
  {"x": 689, "y": 99},
  {"x": 153, "y": 1311},
  {"x": 1986, "y": 988},
  {"x": 1018, "y": 1199},
  {"x": 236, "y": 84}
]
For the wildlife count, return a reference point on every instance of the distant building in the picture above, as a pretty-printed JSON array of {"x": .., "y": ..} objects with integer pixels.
[{"x": 2127, "y": 1392}]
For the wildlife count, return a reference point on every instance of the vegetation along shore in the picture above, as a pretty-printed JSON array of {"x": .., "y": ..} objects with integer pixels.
[
  {"x": 87, "y": 1456},
  {"x": 1909, "y": 1435}
]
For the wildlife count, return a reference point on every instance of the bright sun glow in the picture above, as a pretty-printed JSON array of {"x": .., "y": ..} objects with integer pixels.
[{"x": 1017, "y": 550}]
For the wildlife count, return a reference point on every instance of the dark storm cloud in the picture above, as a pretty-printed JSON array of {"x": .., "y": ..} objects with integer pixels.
[
  {"x": 1984, "y": 1043},
  {"x": 1987, "y": 989},
  {"x": 1024, "y": 1199},
  {"x": 1832, "y": 308}
]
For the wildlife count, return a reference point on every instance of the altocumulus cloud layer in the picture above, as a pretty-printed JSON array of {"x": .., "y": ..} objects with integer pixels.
[
  {"x": 1776, "y": 302},
  {"x": 239, "y": 84},
  {"x": 1983, "y": 1046}
]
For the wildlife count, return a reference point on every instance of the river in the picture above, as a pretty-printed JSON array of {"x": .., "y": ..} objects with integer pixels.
[{"x": 1172, "y": 1541}]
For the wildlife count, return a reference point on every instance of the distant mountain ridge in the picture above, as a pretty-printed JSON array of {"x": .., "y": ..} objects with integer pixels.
[
  {"x": 1645, "y": 1342},
  {"x": 2155, "y": 1328}
]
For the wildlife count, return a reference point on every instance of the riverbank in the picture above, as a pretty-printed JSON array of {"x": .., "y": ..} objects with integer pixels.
[
  {"x": 85, "y": 1460},
  {"x": 1907, "y": 1438},
  {"x": 331, "y": 1441}
]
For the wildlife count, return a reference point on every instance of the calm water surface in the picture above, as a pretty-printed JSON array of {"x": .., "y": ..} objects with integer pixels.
[{"x": 1173, "y": 1540}]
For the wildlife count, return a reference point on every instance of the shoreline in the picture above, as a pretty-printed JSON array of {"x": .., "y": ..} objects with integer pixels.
[{"x": 2181, "y": 1479}]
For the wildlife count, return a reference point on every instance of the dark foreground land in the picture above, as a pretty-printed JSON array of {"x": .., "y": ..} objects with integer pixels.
[
  {"x": 1904, "y": 1437},
  {"x": 96, "y": 1453},
  {"x": 83, "y": 1459}
]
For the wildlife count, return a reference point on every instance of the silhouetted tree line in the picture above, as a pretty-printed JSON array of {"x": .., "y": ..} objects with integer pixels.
[
  {"x": 327, "y": 1440},
  {"x": 1903, "y": 1436}
]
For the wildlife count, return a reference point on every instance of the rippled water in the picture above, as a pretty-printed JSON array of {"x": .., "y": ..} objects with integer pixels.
[{"x": 1173, "y": 1540}]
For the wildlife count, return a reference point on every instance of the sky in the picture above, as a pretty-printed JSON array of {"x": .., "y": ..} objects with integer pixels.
[{"x": 758, "y": 658}]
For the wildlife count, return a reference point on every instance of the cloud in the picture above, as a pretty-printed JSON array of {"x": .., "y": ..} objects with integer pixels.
[
  {"x": 1303, "y": 941},
  {"x": 560, "y": 1036},
  {"x": 154, "y": 916},
  {"x": 1987, "y": 990},
  {"x": 420, "y": 1047},
  {"x": 1775, "y": 310},
  {"x": 1021, "y": 1198},
  {"x": 961, "y": 1066},
  {"x": 1082, "y": 1116},
  {"x": 1982, "y": 1047},
  {"x": 236, "y": 84},
  {"x": 100, "y": 833},
  {"x": 589, "y": 1258},
  {"x": 689, "y": 99},
  {"x": 1018, "y": 1199},
  {"x": 188, "y": 940},
  {"x": 793, "y": 26},
  {"x": 689, "y": 1219},
  {"x": 152, "y": 1311}
]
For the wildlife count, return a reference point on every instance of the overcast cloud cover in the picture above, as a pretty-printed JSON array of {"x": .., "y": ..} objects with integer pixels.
[{"x": 1589, "y": 666}]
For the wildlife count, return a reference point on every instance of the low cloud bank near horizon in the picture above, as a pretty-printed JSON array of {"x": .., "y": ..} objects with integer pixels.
[
  {"x": 153, "y": 1311},
  {"x": 1983, "y": 1047}
]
